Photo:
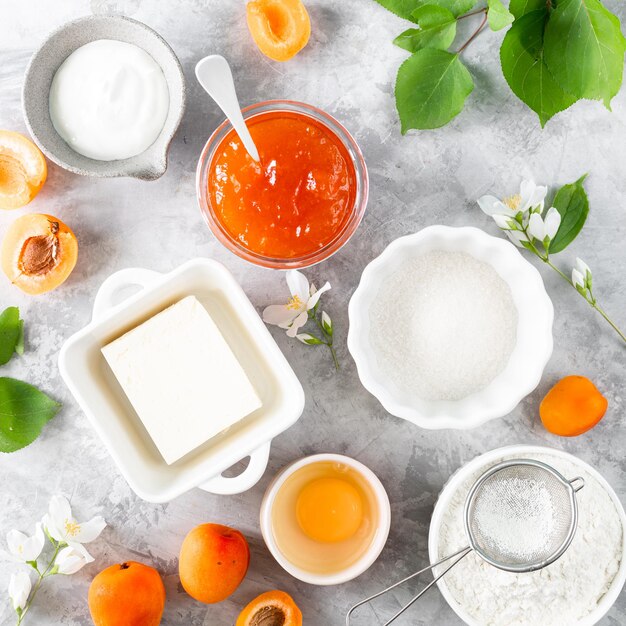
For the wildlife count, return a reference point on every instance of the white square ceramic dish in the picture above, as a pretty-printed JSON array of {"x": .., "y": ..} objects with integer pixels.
[{"x": 100, "y": 396}]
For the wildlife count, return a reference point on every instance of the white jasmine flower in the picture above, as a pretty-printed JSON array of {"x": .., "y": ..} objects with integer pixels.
[
  {"x": 26, "y": 548},
  {"x": 517, "y": 237},
  {"x": 295, "y": 313},
  {"x": 578, "y": 279},
  {"x": 530, "y": 196},
  {"x": 19, "y": 590},
  {"x": 308, "y": 339},
  {"x": 584, "y": 269},
  {"x": 547, "y": 228},
  {"x": 62, "y": 526},
  {"x": 71, "y": 559}
]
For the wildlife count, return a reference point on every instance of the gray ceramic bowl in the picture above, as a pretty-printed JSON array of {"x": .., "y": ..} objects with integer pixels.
[{"x": 150, "y": 164}]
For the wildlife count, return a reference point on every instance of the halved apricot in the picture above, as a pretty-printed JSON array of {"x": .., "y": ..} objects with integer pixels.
[
  {"x": 272, "y": 608},
  {"x": 280, "y": 28},
  {"x": 23, "y": 170},
  {"x": 38, "y": 253}
]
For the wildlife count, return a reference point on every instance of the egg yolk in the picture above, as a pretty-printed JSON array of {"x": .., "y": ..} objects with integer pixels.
[{"x": 329, "y": 510}]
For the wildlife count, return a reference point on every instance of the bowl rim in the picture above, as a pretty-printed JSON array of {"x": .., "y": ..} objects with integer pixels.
[
  {"x": 357, "y": 159},
  {"x": 492, "y": 456},
  {"x": 478, "y": 408},
  {"x": 125, "y": 167},
  {"x": 373, "y": 551}
]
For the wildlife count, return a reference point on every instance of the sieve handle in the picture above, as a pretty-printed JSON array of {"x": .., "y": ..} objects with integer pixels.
[
  {"x": 578, "y": 479},
  {"x": 461, "y": 554}
]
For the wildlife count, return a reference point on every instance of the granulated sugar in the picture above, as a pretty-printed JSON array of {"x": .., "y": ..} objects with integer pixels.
[
  {"x": 515, "y": 517},
  {"x": 443, "y": 325}
]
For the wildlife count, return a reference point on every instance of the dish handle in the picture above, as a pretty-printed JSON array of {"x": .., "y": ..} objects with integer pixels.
[
  {"x": 223, "y": 485},
  {"x": 129, "y": 277}
]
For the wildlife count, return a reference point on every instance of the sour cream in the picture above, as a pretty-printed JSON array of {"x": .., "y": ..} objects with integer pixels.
[{"x": 109, "y": 100}]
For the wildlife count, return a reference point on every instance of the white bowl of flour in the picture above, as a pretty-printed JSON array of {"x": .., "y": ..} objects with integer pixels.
[{"x": 576, "y": 590}]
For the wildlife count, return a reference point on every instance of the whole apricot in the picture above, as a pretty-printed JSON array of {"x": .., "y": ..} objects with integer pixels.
[
  {"x": 573, "y": 406},
  {"x": 213, "y": 561},
  {"x": 272, "y": 608},
  {"x": 38, "y": 253},
  {"x": 127, "y": 594}
]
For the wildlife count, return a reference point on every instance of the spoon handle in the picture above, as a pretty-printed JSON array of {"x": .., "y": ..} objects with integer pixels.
[{"x": 213, "y": 73}]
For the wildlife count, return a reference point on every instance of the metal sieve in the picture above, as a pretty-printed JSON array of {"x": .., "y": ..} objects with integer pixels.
[{"x": 520, "y": 516}]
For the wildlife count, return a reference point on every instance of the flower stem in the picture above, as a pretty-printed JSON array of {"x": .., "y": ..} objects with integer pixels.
[
  {"x": 42, "y": 575},
  {"x": 545, "y": 257},
  {"x": 328, "y": 341}
]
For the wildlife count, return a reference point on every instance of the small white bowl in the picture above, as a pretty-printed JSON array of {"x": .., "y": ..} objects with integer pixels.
[
  {"x": 375, "y": 548},
  {"x": 526, "y": 363},
  {"x": 97, "y": 391},
  {"x": 481, "y": 463}
]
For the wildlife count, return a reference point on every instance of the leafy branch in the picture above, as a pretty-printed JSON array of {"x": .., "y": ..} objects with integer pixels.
[
  {"x": 554, "y": 54},
  {"x": 522, "y": 218}
]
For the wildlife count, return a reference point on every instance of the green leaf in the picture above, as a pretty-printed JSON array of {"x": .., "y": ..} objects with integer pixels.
[
  {"x": 11, "y": 334},
  {"x": 456, "y": 7},
  {"x": 498, "y": 15},
  {"x": 584, "y": 49},
  {"x": 521, "y": 7},
  {"x": 402, "y": 8},
  {"x": 24, "y": 411},
  {"x": 437, "y": 29},
  {"x": 521, "y": 57},
  {"x": 431, "y": 89},
  {"x": 572, "y": 203}
]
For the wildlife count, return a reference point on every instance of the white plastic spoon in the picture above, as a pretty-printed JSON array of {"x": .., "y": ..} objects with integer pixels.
[{"x": 213, "y": 73}]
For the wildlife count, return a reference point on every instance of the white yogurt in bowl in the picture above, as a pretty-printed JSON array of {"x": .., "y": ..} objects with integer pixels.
[
  {"x": 576, "y": 590},
  {"x": 109, "y": 100}
]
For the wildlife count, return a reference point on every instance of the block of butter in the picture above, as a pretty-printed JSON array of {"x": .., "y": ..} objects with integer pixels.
[{"x": 181, "y": 377}]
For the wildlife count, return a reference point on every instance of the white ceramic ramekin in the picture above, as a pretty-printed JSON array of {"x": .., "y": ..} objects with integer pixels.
[
  {"x": 483, "y": 462},
  {"x": 378, "y": 542},
  {"x": 94, "y": 386},
  {"x": 526, "y": 363}
]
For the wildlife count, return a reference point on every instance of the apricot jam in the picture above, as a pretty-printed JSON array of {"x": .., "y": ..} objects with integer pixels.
[{"x": 293, "y": 202}]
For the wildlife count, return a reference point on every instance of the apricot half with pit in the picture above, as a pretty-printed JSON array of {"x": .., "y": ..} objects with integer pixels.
[
  {"x": 38, "y": 253},
  {"x": 272, "y": 608},
  {"x": 23, "y": 170}
]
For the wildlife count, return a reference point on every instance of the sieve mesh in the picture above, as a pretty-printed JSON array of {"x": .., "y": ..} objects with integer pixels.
[{"x": 521, "y": 516}]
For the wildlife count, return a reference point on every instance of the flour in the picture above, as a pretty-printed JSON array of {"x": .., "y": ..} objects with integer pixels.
[
  {"x": 515, "y": 518},
  {"x": 558, "y": 595}
]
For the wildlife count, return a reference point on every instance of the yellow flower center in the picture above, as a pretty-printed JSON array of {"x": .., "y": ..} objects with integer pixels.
[
  {"x": 513, "y": 201},
  {"x": 294, "y": 303},
  {"x": 72, "y": 528}
]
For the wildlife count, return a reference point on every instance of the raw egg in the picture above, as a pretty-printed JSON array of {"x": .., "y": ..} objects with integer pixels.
[
  {"x": 325, "y": 517},
  {"x": 329, "y": 509}
]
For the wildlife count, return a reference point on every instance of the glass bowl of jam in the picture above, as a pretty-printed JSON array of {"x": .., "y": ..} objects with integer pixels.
[{"x": 300, "y": 203}]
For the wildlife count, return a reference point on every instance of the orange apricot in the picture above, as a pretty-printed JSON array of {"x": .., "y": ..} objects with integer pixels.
[
  {"x": 127, "y": 594},
  {"x": 213, "y": 561},
  {"x": 280, "y": 28},
  {"x": 573, "y": 406},
  {"x": 23, "y": 170},
  {"x": 272, "y": 608},
  {"x": 38, "y": 253}
]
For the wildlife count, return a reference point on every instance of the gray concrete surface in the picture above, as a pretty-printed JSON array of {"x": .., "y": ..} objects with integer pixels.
[{"x": 426, "y": 178}]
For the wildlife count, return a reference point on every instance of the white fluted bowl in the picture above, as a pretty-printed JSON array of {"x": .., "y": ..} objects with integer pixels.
[{"x": 526, "y": 363}]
